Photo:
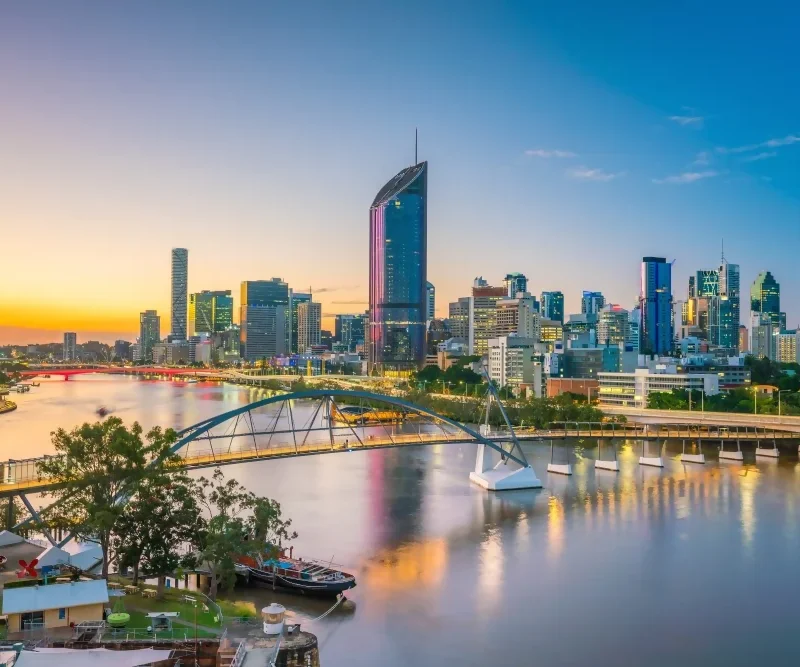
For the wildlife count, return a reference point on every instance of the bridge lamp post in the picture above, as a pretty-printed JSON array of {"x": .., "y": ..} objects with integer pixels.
[{"x": 780, "y": 391}]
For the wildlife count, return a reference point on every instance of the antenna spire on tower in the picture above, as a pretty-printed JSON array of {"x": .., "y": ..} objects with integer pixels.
[{"x": 723, "y": 250}]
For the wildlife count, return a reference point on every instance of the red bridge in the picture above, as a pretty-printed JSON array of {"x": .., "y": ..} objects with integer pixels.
[{"x": 67, "y": 373}]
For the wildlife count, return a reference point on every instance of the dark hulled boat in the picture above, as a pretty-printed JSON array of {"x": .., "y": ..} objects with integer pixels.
[{"x": 309, "y": 577}]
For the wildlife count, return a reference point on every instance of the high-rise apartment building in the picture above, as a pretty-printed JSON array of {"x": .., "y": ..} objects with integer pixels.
[
  {"x": 765, "y": 298},
  {"x": 70, "y": 352},
  {"x": 149, "y": 334},
  {"x": 786, "y": 347},
  {"x": 265, "y": 319},
  {"x": 553, "y": 306},
  {"x": 592, "y": 303},
  {"x": 210, "y": 312},
  {"x": 517, "y": 317},
  {"x": 295, "y": 299},
  {"x": 398, "y": 273},
  {"x": 430, "y": 302},
  {"x": 514, "y": 284},
  {"x": 180, "y": 290},
  {"x": 309, "y": 325},
  {"x": 458, "y": 318},
  {"x": 655, "y": 301},
  {"x": 483, "y": 315},
  {"x": 613, "y": 325}
]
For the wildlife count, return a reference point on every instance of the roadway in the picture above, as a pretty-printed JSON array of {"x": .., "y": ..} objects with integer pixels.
[{"x": 648, "y": 416}]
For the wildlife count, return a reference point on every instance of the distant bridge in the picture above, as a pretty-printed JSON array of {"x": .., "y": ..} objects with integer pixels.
[{"x": 737, "y": 419}]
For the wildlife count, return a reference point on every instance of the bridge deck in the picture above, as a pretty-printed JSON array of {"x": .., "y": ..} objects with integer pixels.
[{"x": 22, "y": 476}]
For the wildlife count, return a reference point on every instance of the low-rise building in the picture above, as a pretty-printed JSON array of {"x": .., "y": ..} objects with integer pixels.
[
  {"x": 36, "y": 606},
  {"x": 582, "y": 386},
  {"x": 632, "y": 389},
  {"x": 587, "y": 362}
]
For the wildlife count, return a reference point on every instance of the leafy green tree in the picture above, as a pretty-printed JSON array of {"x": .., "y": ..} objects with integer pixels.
[
  {"x": 157, "y": 523},
  {"x": 239, "y": 524},
  {"x": 95, "y": 466}
]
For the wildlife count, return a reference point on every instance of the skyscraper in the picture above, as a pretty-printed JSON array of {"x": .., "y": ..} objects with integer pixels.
[
  {"x": 350, "y": 331},
  {"x": 728, "y": 316},
  {"x": 398, "y": 273},
  {"x": 592, "y": 302},
  {"x": 265, "y": 318},
  {"x": 210, "y": 312},
  {"x": 458, "y": 318},
  {"x": 613, "y": 325},
  {"x": 70, "y": 341},
  {"x": 149, "y": 333},
  {"x": 515, "y": 283},
  {"x": 430, "y": 300},
  {"x": 655, "y": 301},
  {"x": 295, "y": 299},
  {"x": 180, "y": 289},
  {"x": 765, "y": 298},
  {"x": 553, "y": 306},
  {"x": 483, "y": 315},
  {"x": 309, "y": 325}
]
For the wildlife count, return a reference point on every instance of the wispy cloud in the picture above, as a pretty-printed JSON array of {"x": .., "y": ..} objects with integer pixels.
[
  {"x": 587, "y": 174},
  {"x": 547, "y": 153},
  {"x": 788, "y": 140},
  {"x": 321, "y": 290},
  {"x": 690, "y": 121},
  {"x": 765, "y": 155},
  {"x": 702, "y": 159},
  {"x": 687, "y": 177}
]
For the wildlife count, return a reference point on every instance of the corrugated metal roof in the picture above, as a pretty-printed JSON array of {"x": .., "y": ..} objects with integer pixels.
[{"x": 54, "y": 596}]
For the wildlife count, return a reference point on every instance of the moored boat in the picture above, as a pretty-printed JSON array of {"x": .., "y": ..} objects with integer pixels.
[{"x": 308, "y": 577}]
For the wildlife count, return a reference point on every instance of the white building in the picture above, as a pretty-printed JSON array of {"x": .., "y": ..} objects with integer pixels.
[
  {"x": 762, "y": 337},
  {"x": 613, "y": 325},
  {"x": 512, "y": 362},
  {"x": 786, "y": 347},
  {"x": 633, "y": 389},
  {"x": 309, "y": 325}
]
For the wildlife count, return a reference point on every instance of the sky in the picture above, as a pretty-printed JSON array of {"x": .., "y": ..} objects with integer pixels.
[{"x": 564, "y": 140}]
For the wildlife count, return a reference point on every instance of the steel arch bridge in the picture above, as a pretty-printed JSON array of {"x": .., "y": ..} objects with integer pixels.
[{"x": 274, "y": 427}]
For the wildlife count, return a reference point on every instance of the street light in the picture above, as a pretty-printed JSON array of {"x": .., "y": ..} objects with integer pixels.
[{"x": 780, "y": 391}]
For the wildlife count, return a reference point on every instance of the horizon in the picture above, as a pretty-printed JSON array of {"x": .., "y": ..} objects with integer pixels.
[{"x": 258, "y": 138}]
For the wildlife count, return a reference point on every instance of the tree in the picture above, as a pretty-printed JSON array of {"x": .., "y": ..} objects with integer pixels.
[
  {"x": 157, "y": 522},
  {"x": 96, "y": 465},
  {"x": 239, "y": 524}
]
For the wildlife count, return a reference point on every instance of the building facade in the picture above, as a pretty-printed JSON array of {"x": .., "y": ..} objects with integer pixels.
[
  {"x": 514, "y": 283},
  {"x": 483, "y": 315},
  {"x": 517, "y": 316},
  {"x": 180, "y": 290},
  {"x": 633, "y": 389},
  {"x": 592, "y": 303},
  {"x": 210, "y": 312},
  {"x": 265, "y": 319},
  {"x": 655, "y": 301},
  {"x": 512, "y": 361},
  {"x": 309, "y": 325},
  {"x": 786, "y": 347},
  {"x": 430, "y": 302},
  {"x": 765, "y": 298},
  {"x": 458, "y": 318},
  {"x": 553, "y": 306},
  {"x": 762, "y": 336},
  {"x": 349, "y": 331},
  {"x": 149, "y": 334},
  {"x": 728, "y": 307},
  {"x": 612, "y": 325},
  {"x": 398, "y": 273},
  {"x": 70, "y": 352},
  {"x": 295, "y": 299}
]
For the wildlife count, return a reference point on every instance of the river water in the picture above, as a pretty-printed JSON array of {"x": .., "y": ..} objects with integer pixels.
[{"x": 689, "y": 565}]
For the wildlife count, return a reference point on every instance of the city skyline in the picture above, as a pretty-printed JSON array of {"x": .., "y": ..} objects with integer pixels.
[{"x": 580, "y": 161}]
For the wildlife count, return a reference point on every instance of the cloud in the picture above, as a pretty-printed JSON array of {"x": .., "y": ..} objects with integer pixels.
[
  {"x": 765, "y": 155},
  {"x": 322, "y": 290},
  {"x": 788, "y": 140},
  {"x": 587, "y": 174},
  {"x": 702, "y": 159},
  {"x": 541, "y": 152},
  {"x": 688, "y": 121},
  {"x": 687, "y": 177}
]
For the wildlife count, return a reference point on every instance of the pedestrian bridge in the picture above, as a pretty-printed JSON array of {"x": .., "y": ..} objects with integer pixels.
[{"x": 327, "y": 421}]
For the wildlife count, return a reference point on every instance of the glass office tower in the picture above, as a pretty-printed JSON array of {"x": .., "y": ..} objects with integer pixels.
[
  {"x": 765, "y": 298},
  {"x": 656, "y": 303},
  {"x": 397, "y": 273}
]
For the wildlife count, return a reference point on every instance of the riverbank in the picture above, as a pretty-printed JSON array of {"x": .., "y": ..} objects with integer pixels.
[{"x": 7, "y": 406}]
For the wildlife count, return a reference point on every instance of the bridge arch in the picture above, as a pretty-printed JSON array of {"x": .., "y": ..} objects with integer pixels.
[{"x": 240, "y": 424}]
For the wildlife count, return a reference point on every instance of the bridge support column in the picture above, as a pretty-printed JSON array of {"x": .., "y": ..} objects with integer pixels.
[
  {"x": 693, "y": 458},
  {"x": 558, "y": 468},
  {"x": 768, "y": 453},
  {"x": 645, "y": 460},
  {"x": 503, "y": 476},
  {"x": 735, "y": 455},
  {"x": 604, "y": 464}
]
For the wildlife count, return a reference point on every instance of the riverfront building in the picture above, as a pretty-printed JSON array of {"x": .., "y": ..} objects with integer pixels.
[
  {"x": 632, "y": 389},
  {"x": 180, "y": 289},
  {"x": 398, "y": 273},
  {"x": 265, "y": 319}
]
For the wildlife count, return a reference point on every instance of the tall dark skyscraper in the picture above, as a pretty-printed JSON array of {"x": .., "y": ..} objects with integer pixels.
[
  {"x": 765, "y": 298},
  {"x": 265, "y": 319},
  {"x": 180, "y": 291},
  {"x": 553, "y": 306},
  {"x": 398, "y": 273},
  {"x": 655, "y": 301},
  {"x": 728, "y": 306}
]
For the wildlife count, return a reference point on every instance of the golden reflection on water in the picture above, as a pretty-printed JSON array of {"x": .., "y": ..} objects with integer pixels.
[
  {"x": 555, "y": 527},
  {"x": 490, "y": 569},
  {"x": 420, "y": 564}
]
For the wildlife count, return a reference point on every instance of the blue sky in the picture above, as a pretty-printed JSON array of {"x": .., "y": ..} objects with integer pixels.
[{"x": 565, "y": 140}]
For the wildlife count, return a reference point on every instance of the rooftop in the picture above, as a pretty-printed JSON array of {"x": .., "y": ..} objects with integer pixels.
[
  {"x": 54, "y": 596},
  {"x": 399, "y": 183}
]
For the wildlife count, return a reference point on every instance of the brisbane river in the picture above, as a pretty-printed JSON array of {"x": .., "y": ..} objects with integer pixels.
[{"x": 689, "y": 565}]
